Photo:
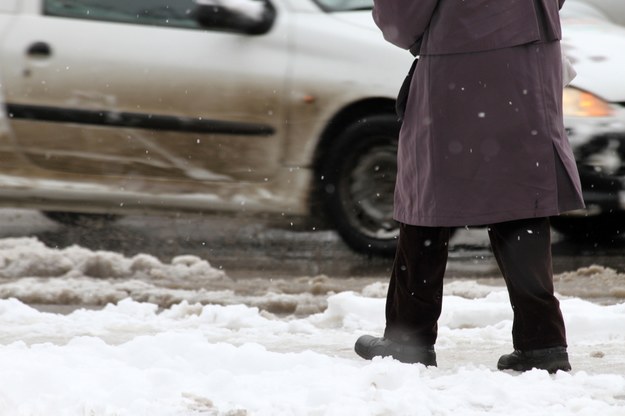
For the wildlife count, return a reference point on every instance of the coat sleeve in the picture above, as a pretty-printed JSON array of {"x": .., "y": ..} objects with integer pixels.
[
  {"x": 403, "y": 22},
  {"x": 561, "y": 2}
]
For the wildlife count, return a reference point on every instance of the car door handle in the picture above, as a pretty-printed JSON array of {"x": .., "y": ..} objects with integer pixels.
[{"x": 39, "y": 50}]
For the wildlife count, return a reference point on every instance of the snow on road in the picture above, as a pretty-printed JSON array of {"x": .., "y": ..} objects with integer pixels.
[{"x": 209, "y": 351}]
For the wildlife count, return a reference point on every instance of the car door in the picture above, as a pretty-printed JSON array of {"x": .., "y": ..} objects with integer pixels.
[{"x": 136, "y": 93}]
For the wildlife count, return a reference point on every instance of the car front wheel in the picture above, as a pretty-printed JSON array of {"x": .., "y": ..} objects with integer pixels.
[{"x": 357, "y": 182}]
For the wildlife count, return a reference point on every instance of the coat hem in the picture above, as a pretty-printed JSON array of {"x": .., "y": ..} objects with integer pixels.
[{"x": 482, "y": 219}]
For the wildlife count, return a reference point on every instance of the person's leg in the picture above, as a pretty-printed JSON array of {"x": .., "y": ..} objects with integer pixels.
[
  {"x": 414, "y": 298},
  {"x": 415, "y": 293},
  {"x": 522, "y": 249}
]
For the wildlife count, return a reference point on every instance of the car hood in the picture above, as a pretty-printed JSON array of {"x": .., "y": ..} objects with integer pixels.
[{"x": 595, "y": 47}]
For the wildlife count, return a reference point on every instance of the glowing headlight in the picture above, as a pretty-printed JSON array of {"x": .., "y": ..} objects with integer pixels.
[{"x": 578, "y": 103}]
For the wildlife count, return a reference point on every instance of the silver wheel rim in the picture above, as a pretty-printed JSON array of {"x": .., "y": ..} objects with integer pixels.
[{"x": 368, "y": 192}]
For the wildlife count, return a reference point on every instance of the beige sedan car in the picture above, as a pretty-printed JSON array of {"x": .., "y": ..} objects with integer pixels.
[
  {"x": 116, "y": 106},
  {"x": 275, "y": 106}
]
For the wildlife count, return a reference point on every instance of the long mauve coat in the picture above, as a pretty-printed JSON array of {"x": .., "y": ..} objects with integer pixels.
[{"x": 482, "y": 139}]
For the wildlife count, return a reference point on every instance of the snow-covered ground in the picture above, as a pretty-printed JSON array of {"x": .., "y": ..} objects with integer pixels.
[{"x": 176, "y": 339}]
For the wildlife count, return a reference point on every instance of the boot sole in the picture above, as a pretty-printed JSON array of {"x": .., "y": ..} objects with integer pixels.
[
  {"x": 365, "y": 352},
  {"x": 552, "y": 366}
]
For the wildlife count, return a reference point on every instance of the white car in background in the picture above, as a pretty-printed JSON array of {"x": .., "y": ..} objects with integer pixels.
[
  {"x": 611, "y": 10},
  {"x": 594, "y": 108},
  {"x": 117, "y": 106}
]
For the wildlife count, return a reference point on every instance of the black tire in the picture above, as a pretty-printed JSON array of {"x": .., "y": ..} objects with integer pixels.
[
  {"x": 80, "y": 219},
  {"x": 357, "y": 182},
  {"x": 597, "y": 228}
]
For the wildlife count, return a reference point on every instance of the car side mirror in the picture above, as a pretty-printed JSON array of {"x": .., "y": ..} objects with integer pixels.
[{"x": 252, "y": 17}]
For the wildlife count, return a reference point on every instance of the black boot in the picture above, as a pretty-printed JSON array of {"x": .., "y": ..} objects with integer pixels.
[
  {"x": 550, "y": 359},
  {"x": 368, "y": 347}
]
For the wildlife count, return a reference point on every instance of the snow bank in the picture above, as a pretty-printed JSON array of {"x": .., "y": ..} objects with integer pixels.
[
  {"x": 133, "y": 358},
  {"x": 28, "y": 257},
  {"x": 173, "y": 341},
  {"x": 36, "y": 274}
]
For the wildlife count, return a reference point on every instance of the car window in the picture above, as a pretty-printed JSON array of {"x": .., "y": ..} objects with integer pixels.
[{"x": 171, "y": 13}]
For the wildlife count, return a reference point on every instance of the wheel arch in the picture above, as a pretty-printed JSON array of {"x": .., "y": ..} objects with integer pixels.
[{"x": 347, "y": 116}]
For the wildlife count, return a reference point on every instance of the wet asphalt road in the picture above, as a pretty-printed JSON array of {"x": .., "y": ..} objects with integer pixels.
[
  {"x": 270, "y": 247},
  {"x": 262, "y": 255}
]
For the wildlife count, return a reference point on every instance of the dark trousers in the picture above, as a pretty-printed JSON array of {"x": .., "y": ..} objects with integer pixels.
[{"x": 523, "y": 252}]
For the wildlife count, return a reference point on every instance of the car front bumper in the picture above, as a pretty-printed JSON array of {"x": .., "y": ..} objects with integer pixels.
[{"x": 601, "y": 166}]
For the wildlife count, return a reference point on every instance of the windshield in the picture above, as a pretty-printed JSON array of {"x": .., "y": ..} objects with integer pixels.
[{"x": 345, "y": 5}]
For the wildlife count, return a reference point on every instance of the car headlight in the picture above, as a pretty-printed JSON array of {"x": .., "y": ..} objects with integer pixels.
[{"x": 578, "y": 103}]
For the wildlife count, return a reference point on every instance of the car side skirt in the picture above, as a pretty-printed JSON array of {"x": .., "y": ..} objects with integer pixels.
[{"x": 136, "y": 120}]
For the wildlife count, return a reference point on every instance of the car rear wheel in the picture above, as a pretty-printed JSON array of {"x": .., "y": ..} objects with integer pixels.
[{"x": 357, "y": 182}]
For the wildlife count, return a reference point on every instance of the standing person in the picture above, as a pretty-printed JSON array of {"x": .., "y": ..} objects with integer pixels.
[{"x": 482, "y": 143}]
